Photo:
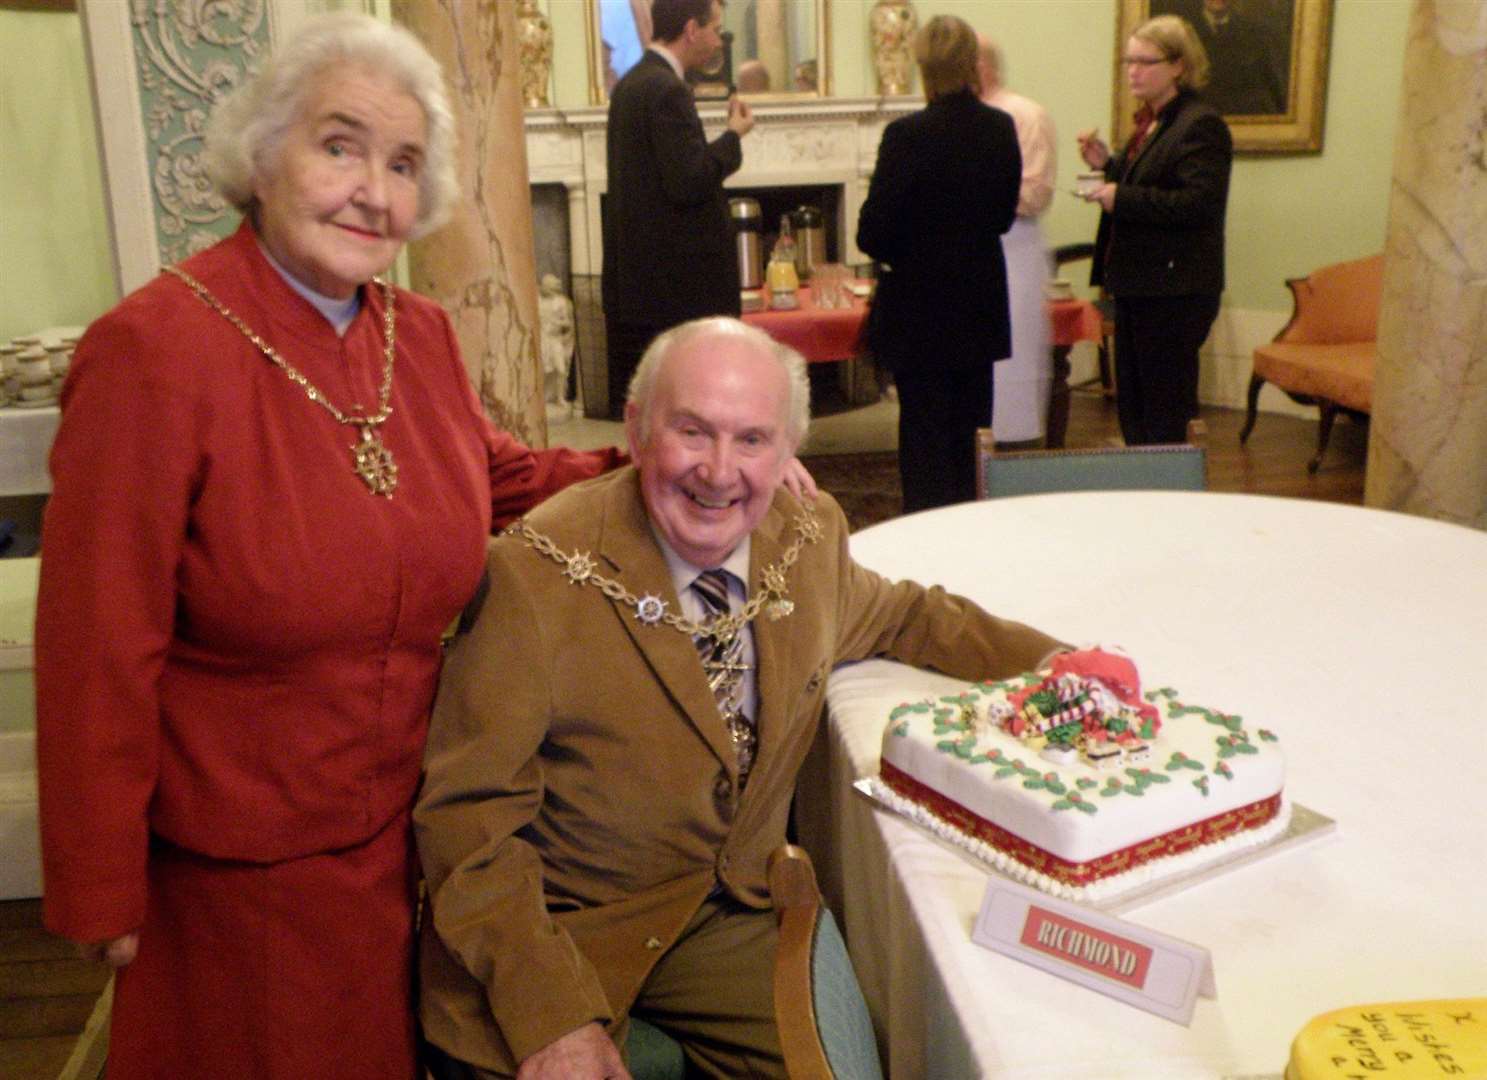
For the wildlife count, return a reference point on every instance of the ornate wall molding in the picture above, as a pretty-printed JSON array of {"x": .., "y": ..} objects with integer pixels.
[{"x": 157, "y": 68}]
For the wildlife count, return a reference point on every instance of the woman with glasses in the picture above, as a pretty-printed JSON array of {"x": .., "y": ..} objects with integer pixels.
[{"x": 1160, "y": 248}]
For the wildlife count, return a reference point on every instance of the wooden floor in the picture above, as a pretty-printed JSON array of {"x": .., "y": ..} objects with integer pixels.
[
  {"x": 1274, "y": 461},
  {"x": 46, "y": 993}
]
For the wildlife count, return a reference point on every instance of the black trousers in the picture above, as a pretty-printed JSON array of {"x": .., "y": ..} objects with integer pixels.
[
  {"x": 625, "y": 344},
  {"x": 1156, "y": 364},
  {"x": 939, "y": 410}
]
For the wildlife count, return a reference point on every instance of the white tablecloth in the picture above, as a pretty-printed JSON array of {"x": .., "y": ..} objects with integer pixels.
[
  {"x": 25, "y": 440},
  {"x": 26, "y": 435},
  {"x": 1359, "y": 636}
]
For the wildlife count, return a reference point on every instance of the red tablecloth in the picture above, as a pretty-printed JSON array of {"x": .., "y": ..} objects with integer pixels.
[
  {"x": 825, "y": 335},
  {"x": 817, "y": 334},
  {"x": 1074, "y": 320}
]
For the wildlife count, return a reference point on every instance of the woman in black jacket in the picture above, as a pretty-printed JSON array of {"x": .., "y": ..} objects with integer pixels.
[
  {"x": 1160, "y": 248},
  {"x": 943, "y": 193}
]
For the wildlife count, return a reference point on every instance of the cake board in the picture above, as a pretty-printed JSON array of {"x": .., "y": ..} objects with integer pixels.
[{"x": 1306, "y": 827}]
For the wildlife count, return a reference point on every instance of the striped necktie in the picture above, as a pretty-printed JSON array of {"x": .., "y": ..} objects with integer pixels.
[{"x": 722, "y": 661}]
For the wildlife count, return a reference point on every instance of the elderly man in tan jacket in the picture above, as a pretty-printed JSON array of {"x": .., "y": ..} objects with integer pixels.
[{"x": 614, "y": 748}]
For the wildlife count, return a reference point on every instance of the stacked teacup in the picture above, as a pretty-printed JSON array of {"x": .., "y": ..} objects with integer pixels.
[{"x": 37, "y": 385}]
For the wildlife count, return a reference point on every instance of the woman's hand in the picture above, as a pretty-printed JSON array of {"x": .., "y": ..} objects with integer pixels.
[
  {"x": 116, "y": 953},
  {"x": 1104, "y": 195},
  {"x": 1092, "y": 149},
  {"x": 800, "y": 482}
]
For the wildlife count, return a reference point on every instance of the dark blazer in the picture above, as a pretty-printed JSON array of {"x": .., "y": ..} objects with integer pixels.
[
  {"x": 1165, "y": 236},
  {"x": 669, "y": 252},
  {"x": 943, "y": 193}
]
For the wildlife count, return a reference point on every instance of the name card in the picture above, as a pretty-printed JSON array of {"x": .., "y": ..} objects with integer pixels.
[{"x": 1130, "y": 963}]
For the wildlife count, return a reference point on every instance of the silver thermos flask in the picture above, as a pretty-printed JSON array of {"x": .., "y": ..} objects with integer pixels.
[
  {"x": 810, "y": 240},
  {"x": 747, "y": 225}
]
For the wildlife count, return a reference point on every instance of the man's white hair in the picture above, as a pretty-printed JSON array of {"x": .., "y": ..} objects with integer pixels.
[
  {"x": 643, "y": 382},
  {"x": 247, "y": 127}
]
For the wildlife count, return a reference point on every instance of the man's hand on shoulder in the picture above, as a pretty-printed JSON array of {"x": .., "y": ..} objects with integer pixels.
[
  {"x": 586, "y": 1053},
  {"x": 740, "y": 116}
]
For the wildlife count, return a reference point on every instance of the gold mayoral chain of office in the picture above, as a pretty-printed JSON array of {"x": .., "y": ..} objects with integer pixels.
[
  {"x": 772, "y": 598},
  {"x": 370, "y": 458}
]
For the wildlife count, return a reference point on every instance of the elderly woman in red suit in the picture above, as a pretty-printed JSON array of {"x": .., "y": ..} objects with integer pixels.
[
  {"x": 943, "y": 192},
  {"x": 273, "y": 486},
  {"x": 1160, "y": 248}
]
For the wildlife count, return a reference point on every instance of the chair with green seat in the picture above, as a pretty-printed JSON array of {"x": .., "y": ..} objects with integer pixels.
[
  {"x": 1168, "y": 467},
  {"x": 825, "y": 1029}
]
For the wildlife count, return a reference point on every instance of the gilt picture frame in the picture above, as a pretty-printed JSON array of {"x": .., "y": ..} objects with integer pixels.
[{"x": 1269, "y": 60}]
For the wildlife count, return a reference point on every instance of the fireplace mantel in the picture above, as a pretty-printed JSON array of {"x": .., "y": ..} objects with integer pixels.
[{"x": 831, "y": 141}]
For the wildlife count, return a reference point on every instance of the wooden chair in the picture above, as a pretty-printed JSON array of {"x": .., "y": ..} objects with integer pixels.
[
  {"x": 1325, "y": 355},
  {"x": 1172, "y": 467},
  {"x": 825, "y": 1029}
]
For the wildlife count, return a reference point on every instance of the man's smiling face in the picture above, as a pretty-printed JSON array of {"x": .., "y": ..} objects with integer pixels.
[{"x": 715, "y": 447}]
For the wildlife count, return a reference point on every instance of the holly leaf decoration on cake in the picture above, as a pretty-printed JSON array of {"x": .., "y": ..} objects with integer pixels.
[
  {"x": 1202, "y": 785},
  {"x": 908, "y": 707},
  {"x": 1229, "y": 745},
  {"x": 1268, "y": 736},
  {"x": 1179, "y": 760},
  {"x": 1045, "y": 782}
]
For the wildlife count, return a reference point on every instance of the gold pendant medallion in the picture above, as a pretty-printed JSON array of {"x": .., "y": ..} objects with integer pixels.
[{"x": 374, "y": 463}]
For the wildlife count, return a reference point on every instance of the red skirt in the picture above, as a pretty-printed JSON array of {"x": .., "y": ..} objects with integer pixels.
[{"x": 292, "y": 969}]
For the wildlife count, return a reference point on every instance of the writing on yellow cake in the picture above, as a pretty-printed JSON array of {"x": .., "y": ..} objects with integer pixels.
[{"x": 1396, "y": 1041}]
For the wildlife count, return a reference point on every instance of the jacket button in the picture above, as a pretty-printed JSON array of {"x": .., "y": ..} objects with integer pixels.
[
  {"x": 652, "y": 943},
  {"x": 723, "y": 787},
  {"x": 723, "y": 863},
  {"x": 813, "y": 684}
]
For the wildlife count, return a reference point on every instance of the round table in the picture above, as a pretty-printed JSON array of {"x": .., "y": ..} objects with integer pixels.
[{"x": 1359, "y": 636}]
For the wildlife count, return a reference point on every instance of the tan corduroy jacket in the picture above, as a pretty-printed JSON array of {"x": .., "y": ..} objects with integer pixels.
[{"x": 581, "y": 798}]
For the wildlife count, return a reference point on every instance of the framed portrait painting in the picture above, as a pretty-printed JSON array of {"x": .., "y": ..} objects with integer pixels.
[{"x": 1269, "y": 67}]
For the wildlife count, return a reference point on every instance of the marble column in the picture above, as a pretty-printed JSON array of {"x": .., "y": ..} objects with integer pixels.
[
  {"x": 481, "y": 265},
  {"x": 1427, "y": 450}
]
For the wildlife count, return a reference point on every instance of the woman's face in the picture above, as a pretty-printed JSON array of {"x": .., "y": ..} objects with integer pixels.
[
  {"x": 339, "y": 194},
  {"x": 1150, "y": 75}
]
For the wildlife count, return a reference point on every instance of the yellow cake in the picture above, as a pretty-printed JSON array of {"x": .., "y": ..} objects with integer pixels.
[{"x": 1398, "y": 1040}]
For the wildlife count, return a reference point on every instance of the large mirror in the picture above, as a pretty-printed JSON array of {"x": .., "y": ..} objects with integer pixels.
[{"x": 777, "y": 48}]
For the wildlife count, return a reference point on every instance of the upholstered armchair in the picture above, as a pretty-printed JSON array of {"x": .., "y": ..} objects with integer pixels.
[
  {"x": 1167, "y": 467},
  {"x": 1325, "y": 355}
]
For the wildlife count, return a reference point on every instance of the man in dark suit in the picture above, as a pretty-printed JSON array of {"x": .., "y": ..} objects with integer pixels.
[
  {"x": 669, "y": 251},
  {"x": 944, "y": 191}
]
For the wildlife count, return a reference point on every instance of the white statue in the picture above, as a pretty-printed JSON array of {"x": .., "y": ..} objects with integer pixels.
[{"x": 555, "y": 311}]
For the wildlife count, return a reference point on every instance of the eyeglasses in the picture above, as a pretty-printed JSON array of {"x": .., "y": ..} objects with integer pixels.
[{"x": 1145, "y": 61}]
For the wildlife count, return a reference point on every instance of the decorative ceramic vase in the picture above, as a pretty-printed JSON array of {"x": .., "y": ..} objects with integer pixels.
[
  {"x": 534, "y": 36},
  {"x": 893, "y": 23}
]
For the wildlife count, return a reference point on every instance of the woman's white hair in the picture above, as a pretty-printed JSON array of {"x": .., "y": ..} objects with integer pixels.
[
  {"x": 643, "y": 382},
  {"x": 247, "y": 127}
]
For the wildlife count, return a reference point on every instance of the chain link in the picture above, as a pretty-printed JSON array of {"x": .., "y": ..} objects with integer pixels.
[
  {"x": 579, "y": 568},
  {"x": 384, "y": 408}
]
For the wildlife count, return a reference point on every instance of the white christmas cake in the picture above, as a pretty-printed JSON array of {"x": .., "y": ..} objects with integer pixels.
[{"x": 1073, "y": 780}]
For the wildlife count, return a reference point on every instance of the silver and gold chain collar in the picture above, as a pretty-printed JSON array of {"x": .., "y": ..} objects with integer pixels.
[
  {"x": 580, "y": 569},
  {"x": 371, "y": 459}
]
